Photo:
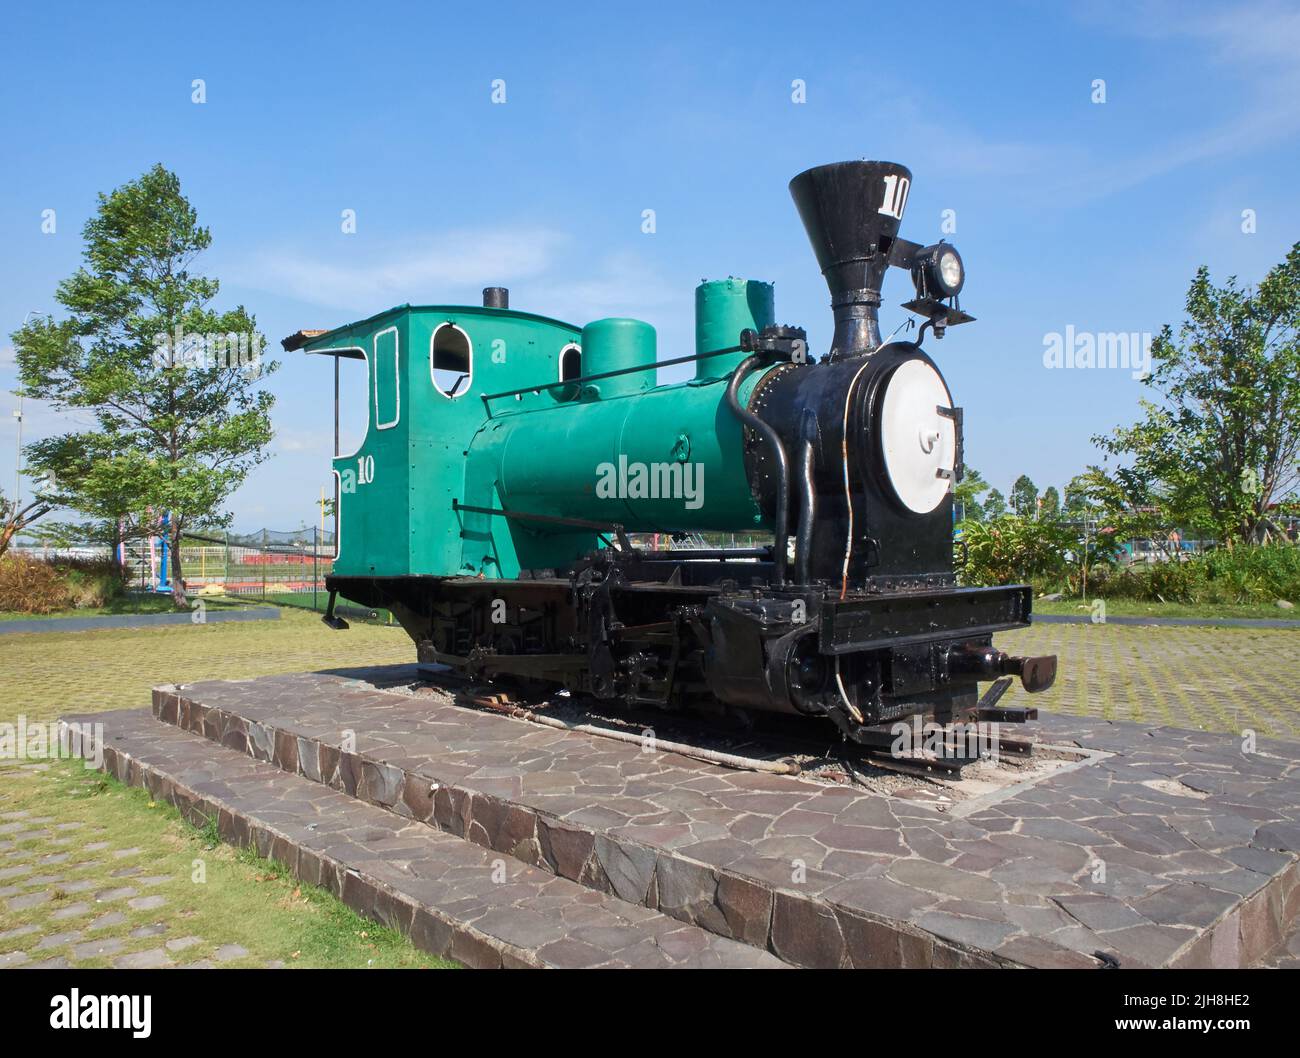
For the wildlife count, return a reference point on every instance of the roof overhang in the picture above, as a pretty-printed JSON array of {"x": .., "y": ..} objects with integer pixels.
[{"x": 298, "y": 339}]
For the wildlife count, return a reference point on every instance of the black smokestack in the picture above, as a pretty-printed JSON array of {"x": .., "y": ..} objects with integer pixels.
[
  {"x": 496, "y": 298},
  {"x": 851, "y": 211}
]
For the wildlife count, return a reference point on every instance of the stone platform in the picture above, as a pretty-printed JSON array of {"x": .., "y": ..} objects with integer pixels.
[{"x": 1157, "y": 848}]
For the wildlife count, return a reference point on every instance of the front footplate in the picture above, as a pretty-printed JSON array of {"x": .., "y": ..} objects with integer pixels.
[{"x": 891, "y": 621}]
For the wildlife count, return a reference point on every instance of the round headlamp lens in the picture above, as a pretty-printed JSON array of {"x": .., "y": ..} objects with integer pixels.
[{"x": 950, "y": 270}]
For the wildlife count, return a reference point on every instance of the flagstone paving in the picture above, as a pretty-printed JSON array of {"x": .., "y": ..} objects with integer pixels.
[{"x": 1156, "y": 847}]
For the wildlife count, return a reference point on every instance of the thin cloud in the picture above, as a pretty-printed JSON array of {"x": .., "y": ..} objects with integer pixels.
[
  {"x": 620, "y": 284},
  {"x": 1256, "y": 44},
  {"x": 349, "y": 276}
]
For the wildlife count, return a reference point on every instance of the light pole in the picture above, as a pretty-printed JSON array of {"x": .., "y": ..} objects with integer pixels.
[
  {"x": 18, "y": 455},
  {"x": 18, "y": 414}
]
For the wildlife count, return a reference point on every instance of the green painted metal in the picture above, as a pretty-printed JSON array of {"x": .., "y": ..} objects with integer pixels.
[
  {"x": 652, "y": 458},
  {"x": 724, "y": 308},
  {"x": 614, "y": 345}
]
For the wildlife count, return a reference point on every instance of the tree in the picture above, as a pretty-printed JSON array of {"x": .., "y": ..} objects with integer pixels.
[
  {"x": 1077, "y": 503},
  {"x": 1219, "y": 440},
  {"x": 15, "y": 517},
  {"x": 995, "y": 505},
  {"x": 1051, "y": 502},
  {"x": 967, "y": 493},
  {"x": 1024, "y": 497},
  {"x": 172, "y": 383}
]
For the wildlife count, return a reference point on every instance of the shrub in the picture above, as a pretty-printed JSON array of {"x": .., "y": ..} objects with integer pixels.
[
  {"x": 32, "y": 586},
  {"x": 1242, "y": 574},
  {"x": 28, "y": 586},
  {"x": 1011, "y": 549},
  {"x": 91, "y": 582}
]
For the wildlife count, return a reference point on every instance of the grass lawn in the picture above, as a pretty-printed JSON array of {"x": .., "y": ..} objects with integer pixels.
[
  {"x": 1135, "y": 608},
  {"x": 92, "y": 872}
]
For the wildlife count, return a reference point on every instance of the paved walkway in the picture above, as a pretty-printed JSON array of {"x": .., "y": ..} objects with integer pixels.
[
  {"x": 94, "y": 876},
  {"x": 1170, "y": 622},
  {"x": 1206, "y": 679}
]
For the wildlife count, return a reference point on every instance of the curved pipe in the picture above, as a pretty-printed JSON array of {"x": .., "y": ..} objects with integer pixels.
[
  {"x": 782, "y": 467},
  {"x": 807, "y": 498}
]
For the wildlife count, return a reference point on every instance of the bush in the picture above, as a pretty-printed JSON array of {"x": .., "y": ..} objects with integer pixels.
[
  {"x": 91, "y": 582},
  {"x": 32, "y": 586},
  {"x": 1242, "y": 574},
  {"x": 1011, "y": 549},
  {"x": 1046, "y": 554},
  {"x": 28, "y": 586}
]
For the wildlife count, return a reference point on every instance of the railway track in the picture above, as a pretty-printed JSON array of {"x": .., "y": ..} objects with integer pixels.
[{"x": 776, "y": 743}]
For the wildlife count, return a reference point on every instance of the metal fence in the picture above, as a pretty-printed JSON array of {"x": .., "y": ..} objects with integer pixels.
[{"x": 267, "y": 566}]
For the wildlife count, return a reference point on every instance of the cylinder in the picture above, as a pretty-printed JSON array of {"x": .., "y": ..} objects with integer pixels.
[
  {"x": 496, "y": 298},
  {"x": 724, "y": 308},
  {"x": 616, "y": 344}
]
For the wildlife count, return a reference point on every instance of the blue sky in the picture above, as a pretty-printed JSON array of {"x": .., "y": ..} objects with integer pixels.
[{"x": 1069, "y": 213}]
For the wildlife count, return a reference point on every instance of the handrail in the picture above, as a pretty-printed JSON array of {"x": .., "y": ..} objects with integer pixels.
[{"x": 582, "y": 380}]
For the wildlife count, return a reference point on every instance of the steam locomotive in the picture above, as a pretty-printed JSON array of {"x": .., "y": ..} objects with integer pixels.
[{"x": 510, "y": 458}]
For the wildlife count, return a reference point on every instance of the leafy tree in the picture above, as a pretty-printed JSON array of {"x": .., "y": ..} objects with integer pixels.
[
  {"x": 1219, "y": 440},
  {"x": 967, "y": 493},
  {"x": 1077, "y": 502},
  {"x": 1128, "y": 507},
  {"x": 995, "y": 505},
  {"x": 1051, "y": 503},
  {"x": 1024, "y": 497},
  {"x": 172, "y": 383}
]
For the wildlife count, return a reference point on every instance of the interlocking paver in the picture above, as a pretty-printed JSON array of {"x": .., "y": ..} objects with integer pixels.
[
  {"x": 152, "y": 959},
  {"x": 95, "y": 949},
  {"x": 1201, "y": 678}
]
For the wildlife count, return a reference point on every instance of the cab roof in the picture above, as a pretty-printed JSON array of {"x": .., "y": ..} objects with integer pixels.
[{"x": 316, "y": 340}]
